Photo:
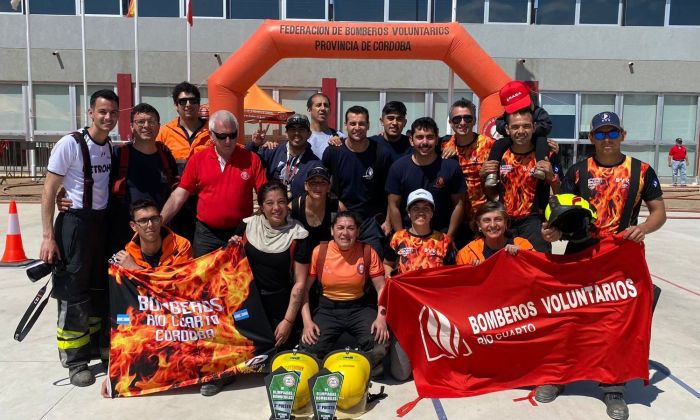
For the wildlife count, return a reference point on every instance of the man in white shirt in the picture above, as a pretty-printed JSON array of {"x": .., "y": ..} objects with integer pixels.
[{"x": 76, "y": 244}]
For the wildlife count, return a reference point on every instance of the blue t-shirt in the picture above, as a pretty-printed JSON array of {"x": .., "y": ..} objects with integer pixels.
[
  {"x": 442, "y": 179},
  {"x": 396, "y": 149},
  {"x": 291, "y": 171},
  {"x": 358, "y": 178}
]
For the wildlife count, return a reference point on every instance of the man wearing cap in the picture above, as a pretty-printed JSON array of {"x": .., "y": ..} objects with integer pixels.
[
  {"x": 615, "y": 185},
  {"x": 289, "y": 161},
  {"x": 427, "y": 170},
  {"x": 678, "y": 162}
]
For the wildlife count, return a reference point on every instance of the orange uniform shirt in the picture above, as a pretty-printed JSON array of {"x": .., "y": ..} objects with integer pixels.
[
  {"x": 175, "y": 249},
  {"x": 344, "y": 272},
  {"x": 471, "y": 158},
  {"x": 474, "y": 250},
  {"x": 179, "y": 143},
  {"x": 413, "y": 252}
]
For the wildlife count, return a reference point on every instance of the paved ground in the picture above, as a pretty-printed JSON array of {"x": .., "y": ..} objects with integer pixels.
[{"x": 34, "y": 385}]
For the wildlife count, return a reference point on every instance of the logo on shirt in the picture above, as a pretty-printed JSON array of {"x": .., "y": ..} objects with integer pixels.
[
  {"x": 245, "y": 175},
  {"x": 593, "y": 183},
  {"x": 506, "y": 169},
  {"x": 440, "y": 182},
  {"x": 369, "y": 173},
  {"x": 624, "y": 181},
  {"x": 101, "y": 169},
  {"x": 361, "y": 268},
  {"x": 405, "y": 251}
]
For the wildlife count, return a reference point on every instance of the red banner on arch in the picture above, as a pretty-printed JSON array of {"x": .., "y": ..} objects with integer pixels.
[{"x": 525, "y": 320}]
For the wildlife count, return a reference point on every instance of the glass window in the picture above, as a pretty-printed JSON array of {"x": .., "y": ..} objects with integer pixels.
[
  {"x": 562, "y": 111},
  {"x": 415, "y": 105},
  {"x": 603, "y": 12},
  {"x": 52, "y": 7},
  {"x": 643, "y": 152},
  {"x": 468, "y": 11},
  {"x": 645, "y": 12},
  {"x": 441, "y": 108},
  {"x": 6, "y": 8},
  {"x": 685, "y": 12},
  {"x": 639, "y": 117},
  {"x": 161, "y": 8},
  {"x": 102, "y": 7},
  {"x": 11, "y": 108},
  {"x": 679, "y": 119},
  {"x": 665, "y": 170},
  {"x": 52, "y": 107},
  {"x": 592, "y": 104},
  {"x": 80, "y": 113},
  {"x": 556, "y": 12},
  {"x": 306, "y": 9},
  {"x": 408, "y": 10},
  {"x": 206, "y": 8},
  {"x": 295, "y": 100},
  {"x": 358, "y": 10},
  {"x": 367, "y": 99},
  {"x": 254, "y": 9},
  {"x": 508, "y": 11},
  {"x": 161, "y": 98}
]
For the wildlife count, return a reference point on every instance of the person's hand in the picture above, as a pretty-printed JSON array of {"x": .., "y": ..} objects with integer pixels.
[
  {"x": 335, "y": 141},
  {"x": 104, "y": 389},
  {"x": 449, "y": 152},
  {"x": 553, "y": 146},
  {"x": 379, "y": 329},
  {"x": 512, "y": 249},
  {"x": 49, "y": 251},
  {"x": 258, "y": 137},
  {"x": 125, "y": 260},
  {"x": 489, "y": 167},
  {"x": 310, "y": 334},
  {"x": 284, "y": 328},
  {"x": 634, "y": 233},
  {"x": 550, "y": 234},
  {"x": 545, "y": 166},
  {"x": 269, "y": 145},
  {"x": 235, "y": 239},
  {"x": 475, "y": 262},
  {"x": 63, "y": 203},
  {"x": 386, "y": 227}
]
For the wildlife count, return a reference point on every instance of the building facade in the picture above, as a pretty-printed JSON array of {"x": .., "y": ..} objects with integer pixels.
[{"x": 636, "y": 57}]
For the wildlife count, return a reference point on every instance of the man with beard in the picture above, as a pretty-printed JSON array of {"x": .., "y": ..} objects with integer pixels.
[
  {"x": 393, "y": 122},
  {"x": 319, "y": 107}
]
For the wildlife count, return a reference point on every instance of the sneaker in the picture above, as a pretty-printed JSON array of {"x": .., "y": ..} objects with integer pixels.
[
  {"x": 616, "y": 406},
  {"x": 491, "y": 181},
  {"x": 214, "y": 387},
  {"x": 548, "y": 393},
  {"x": 539, "y": 174},
  {"x": 81, "y": 376}
]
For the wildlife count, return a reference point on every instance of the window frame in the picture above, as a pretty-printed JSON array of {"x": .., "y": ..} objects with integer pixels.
[
  {"x": 283, "y": 13},
  {"x": 487, "y": 15},
  {"x": 183, "y": 11},
  {"x": 79, "y": 3},
  {"x": 387, "y": 6}
]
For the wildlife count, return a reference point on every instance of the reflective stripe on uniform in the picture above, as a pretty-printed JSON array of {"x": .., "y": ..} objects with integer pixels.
[
  {"x": 95, "y": 324},
  {"x": 71, "y": 339}
]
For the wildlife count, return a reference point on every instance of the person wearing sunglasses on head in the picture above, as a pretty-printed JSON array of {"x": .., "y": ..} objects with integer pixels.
[
  {"x": 615, "y": 185},
  {"x": 223, "y": 178},
  {"x": 186, "y": 134}
]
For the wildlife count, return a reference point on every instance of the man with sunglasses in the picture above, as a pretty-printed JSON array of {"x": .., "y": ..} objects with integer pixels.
[
  {"x": 153, "y": 244},
  {"x": 615, "y": 185},
  {"x": 187, "y": 133},
  {"x": 223, "y": 178}
]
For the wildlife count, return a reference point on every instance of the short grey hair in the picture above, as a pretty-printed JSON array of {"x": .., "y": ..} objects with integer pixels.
[{"x": 223, "y": 116}]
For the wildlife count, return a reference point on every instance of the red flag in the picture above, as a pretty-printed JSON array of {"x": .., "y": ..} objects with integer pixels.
[
  {"x": 526, "y": 320},
  {"x": 131, "y": 11},
  {"x": 189, "y": 12}
]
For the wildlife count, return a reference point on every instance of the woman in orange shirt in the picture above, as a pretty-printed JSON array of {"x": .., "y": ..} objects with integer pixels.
[
  {"x": 491, "y": 223},
  {"x": 342, "y": 267}
]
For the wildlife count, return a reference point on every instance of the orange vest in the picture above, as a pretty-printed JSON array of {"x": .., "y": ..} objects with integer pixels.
[
  {"x": 176, "y": 138},
  {"x": 174, "y": 250},
  {"x": 474, "y": 250}
]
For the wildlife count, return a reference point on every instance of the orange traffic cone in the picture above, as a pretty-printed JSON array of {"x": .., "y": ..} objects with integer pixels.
[{"x": 14, "y": 251}]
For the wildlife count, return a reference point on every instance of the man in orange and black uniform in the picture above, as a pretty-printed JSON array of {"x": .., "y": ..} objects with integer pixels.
[
  {"x": 615, "y": 185},
  {"x": 524, "y": 196},
  {"x": 185, "y": 135},
  {"x": 153, "y": 244}
]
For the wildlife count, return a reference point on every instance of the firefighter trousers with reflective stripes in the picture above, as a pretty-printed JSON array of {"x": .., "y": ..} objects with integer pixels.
[{"x": 80, "y": 283}]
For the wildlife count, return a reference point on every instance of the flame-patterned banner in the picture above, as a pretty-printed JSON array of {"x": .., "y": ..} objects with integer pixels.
[
  {"x": 185, "y": 324},
  {"x": 525, "y": 320}
]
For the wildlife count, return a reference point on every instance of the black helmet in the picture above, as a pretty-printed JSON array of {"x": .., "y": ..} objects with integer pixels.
[{"x": 571, "y": 214}]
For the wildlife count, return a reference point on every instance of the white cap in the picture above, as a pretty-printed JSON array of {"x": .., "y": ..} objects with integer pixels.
[{"x": 420, "y": 195}]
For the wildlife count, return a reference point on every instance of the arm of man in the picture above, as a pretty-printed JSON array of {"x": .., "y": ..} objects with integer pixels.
[
  {"x": 393, "y": 212},
  {"x": 457, "y": 213},
  {"x": 669, "y": 159},
  {"x": 49, "y": 249},
  {"x": 175, "y": 202},
  {"x": 379, "y": 328},
  {"x": 656, "y": 219}
]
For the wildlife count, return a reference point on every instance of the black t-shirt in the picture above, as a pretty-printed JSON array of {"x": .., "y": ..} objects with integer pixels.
[
  {"x": 153, "y": 260},
  {"x": 488, "y": 252},
  {"x": 272, "y": 272},
  {"x": 145, "y": 178},
  {"x": 396, "y": 149},
  {"x": 358, "y": 178},
  {"x": 442, "y": 179},
  {"x": 317, "y": 234}
]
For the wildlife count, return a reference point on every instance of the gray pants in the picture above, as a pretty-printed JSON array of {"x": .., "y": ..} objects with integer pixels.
[{"x": 679, "y": 167}]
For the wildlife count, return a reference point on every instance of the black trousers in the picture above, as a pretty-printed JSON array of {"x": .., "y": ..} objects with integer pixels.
[
  {"x": 80, "y": 285},
  {"x": 530, "y": 228},
  {"x": 208, "y": 239}
]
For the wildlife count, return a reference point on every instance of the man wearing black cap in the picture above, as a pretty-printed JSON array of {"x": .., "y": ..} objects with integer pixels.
[
  {"x": 678, "y": 162},
  {"x": 289, "y": 161},
  {"x": 615, "y": 185}
]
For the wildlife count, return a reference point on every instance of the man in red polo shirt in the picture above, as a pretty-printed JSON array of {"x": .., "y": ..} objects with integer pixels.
[
  {"x": 678, "y": 162},
  {"x": 223, "y": 178}
]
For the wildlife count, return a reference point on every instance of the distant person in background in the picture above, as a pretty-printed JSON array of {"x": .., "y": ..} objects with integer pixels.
[{"x": 678, "y": 162}]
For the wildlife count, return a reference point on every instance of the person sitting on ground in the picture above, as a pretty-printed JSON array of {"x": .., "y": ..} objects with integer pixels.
[
  {"x": 343, "y": 267},
  {"x": 153, "y": 244},
  {"x": 490, "y": 223},
  {"x": 416, "y": 248}
]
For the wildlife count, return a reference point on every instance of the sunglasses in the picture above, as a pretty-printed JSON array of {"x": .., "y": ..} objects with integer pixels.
[
  {"x": 192, "y": 101},
  {"x": 601, "y": 135},
  {"x": 458, "y": 118},
  {"x": 224, "y": 136}
]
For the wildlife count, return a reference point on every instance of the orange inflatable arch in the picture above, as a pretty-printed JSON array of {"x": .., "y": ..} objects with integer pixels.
[{"x": 275, "y": 40}]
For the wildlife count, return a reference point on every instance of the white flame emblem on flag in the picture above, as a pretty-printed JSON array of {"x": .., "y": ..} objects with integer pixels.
[{"x": 443, "y": 334}]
